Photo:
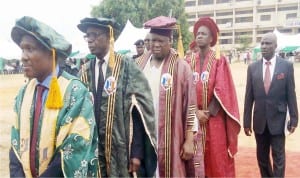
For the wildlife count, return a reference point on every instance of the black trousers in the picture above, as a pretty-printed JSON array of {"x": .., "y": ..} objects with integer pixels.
[{"x": 276, "y": 144}]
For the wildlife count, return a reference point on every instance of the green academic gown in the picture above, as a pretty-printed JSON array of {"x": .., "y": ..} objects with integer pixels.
[
  {"x": 126, "y": 91},
  {"x": 68, "y": 133}
]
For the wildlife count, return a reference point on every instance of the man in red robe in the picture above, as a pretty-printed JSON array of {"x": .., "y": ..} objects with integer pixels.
[
  {"x": 171, "y": 83},
  {"x": 218, "y": 111}
]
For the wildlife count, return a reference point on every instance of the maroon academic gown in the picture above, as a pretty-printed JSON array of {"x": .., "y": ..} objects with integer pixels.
[
  {"x": 176, "y": 112},
  {"x": 222, "y": 129}
]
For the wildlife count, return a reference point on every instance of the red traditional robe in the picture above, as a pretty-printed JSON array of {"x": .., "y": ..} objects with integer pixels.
[
  {"x": 223, "y": 128},
  {"x": 176, "y": 112}
]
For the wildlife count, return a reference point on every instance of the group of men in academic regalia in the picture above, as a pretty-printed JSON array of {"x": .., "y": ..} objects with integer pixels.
[{"x": 157, "y": 115}]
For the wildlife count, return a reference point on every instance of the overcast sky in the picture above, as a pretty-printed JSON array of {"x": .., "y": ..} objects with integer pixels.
[{"x": 62, "y": 15}]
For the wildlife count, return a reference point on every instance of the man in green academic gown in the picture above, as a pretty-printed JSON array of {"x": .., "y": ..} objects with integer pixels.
[
  {"x": 54, "y": 131},
  {"x": 122, "y": 102}
]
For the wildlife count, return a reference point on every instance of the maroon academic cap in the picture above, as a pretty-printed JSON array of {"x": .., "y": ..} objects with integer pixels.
[
  {"x": 161, "y": 25},
  {"x": 211, "y": 25}
]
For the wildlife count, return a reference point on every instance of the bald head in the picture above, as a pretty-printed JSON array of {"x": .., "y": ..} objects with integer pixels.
[
  {"x": 268, "y": 45},
  {"x": 271, "y": 36}
]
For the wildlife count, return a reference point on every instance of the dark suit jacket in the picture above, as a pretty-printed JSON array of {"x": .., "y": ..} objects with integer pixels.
[{"x": 270, "y": 109}]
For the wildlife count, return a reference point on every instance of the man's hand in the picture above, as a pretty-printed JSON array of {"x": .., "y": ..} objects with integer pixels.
[
  {"x": 134, "y": 165},
  {"x": 291, "y": 129},
  {"x": 187, "y": 150},
  {"x": 248, "y": 131},
  {"x": 202, "y": 115}
]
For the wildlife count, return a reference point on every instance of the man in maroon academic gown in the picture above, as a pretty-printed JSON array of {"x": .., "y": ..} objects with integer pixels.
[
  {"x": 217, "y": 108},
  {"x": 170, "y": 79}
]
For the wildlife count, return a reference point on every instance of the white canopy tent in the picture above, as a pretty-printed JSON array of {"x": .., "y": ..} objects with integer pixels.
[
  {"x": 285, "y": 43},
  {"x": 285, "y": 40},
  {"x": 9, "y": 50},
  {"x": 129, "y": 36}
]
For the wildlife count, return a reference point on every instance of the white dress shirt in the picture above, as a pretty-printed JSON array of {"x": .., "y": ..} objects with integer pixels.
[{"x": 152, "y": 74}]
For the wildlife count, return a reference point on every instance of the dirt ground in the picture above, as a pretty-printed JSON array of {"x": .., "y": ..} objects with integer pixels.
[{"x": 246, "y": 165}]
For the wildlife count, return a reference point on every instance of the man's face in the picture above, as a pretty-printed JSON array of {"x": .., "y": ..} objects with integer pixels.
[
  {"x": 268, "y": 46},
  {"x": 36, "y": 58},
  {"x": 147, "y": 42},
  {"x": 98, "y": 41},
  {"x": 203, "y": 37},
  {"x": 140, "y": 49},
  {"x": 160, "y": 46}
]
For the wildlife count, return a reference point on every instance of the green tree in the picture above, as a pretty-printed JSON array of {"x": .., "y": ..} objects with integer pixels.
[
  {"x": 244, "y": 41},
  {"x": 139, "y": 11}
]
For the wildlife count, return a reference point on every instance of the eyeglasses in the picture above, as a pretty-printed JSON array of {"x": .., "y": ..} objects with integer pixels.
[{"x": 92, "y": 35}]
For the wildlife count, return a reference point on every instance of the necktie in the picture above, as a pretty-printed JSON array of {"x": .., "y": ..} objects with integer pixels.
[
  {"x": 99, "y": 92},
  {"x": 100, "y": 77},
  {"x": 267, "y": 80},
  {"x": 34, "y": 137}
]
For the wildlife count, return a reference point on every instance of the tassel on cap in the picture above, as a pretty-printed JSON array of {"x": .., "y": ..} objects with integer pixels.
[
  {"x": 180, "y": 49},
  {"x": 54, "y": 99},
  {"x": 217, "y": 48},
  {"x": 111, "y": 62}
]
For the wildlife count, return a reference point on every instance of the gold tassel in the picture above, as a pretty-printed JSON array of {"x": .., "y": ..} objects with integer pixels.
[
  {"x": 180, "y": 49},
  {"x": 111, "y": 62},
  {"x": 54, "y": 99},
  {"x": 217, "y": 48}
]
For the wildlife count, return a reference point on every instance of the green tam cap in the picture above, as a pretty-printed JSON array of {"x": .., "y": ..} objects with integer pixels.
[
  {"x": 97, "y": 22},
  {"x": 43, "y": 33}
]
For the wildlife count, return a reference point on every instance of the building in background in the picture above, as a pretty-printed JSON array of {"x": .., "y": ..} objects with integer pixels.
[{"x": 246, "y": 19}]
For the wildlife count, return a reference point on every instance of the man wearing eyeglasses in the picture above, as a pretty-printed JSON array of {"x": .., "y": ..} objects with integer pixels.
[{"x": 122, "y": 103}]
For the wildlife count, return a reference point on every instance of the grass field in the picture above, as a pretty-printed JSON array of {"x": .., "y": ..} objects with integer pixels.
[{"x": 10, "y": 84}]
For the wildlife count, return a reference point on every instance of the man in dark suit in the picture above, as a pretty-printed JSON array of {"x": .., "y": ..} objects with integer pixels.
[{"x": 271, "y": 89}]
